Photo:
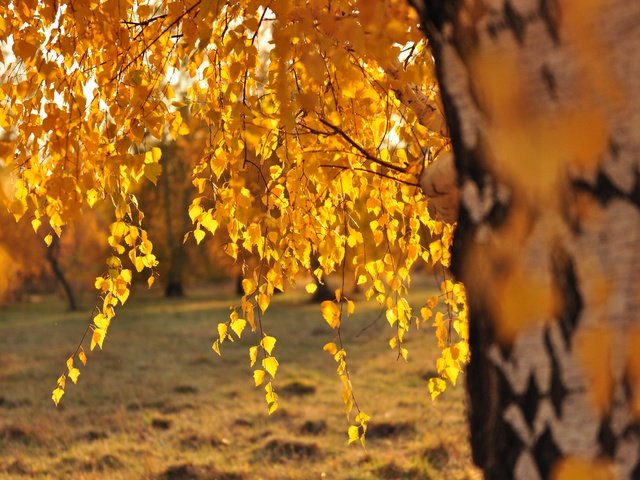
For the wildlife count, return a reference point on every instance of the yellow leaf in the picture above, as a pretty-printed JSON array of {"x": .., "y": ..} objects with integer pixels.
[
  {"x": 432, "y": 302},
  {"x": 184, "y": 129},
  {"x": 126, "y": 275},
  {"x": 275, "y": 171},
  {"x": 331, "y": 313},
  {"x": 92, "y": 197},
  {"x": 74, "y": 373},
  {"x": 351, "y": 307},
  {"x": 274, "y": 276},
  {"x": 194, "y": 212},
  {"x": 222, "y": 331},
  {"x": 263, "y": 302},
  {"x": 362, "y": 418},
  {"x": 198, "y": 235},
  {"x": 461, "y": 349},
  {"x": 248, "y": 286},
  {"x": 435, "y": 248},
  {"x": 83, "y": 357},
  {"x": 311, "y": 287},
  {"x": 404, "y": 352},
  {"x": 114, "y": 263},
  {"x": 449, "y": 369},
  {"x": 216, "y": 347},
  {"x": 122, "y": 293},
  {"x": 56, "y": 395},
  {"x": 149, "y": 261},
  {"x": 270, "y": 364},
  {"x": 139, "y": 263},
  {"x": 354, "y": 433},
  {"x": 436, "y": 387},
  {"x": 249, "y": 314},
  {"x": 150, "y": 280},
  {"x": 153, "y": 155},
  {"x": 103, "y": 284},
  {"x": 258, "y": 377},
  {"x": 331, "y": 348},
  {"x": 238, "y": 326},
  {"x": 146, "y": 247},
  {"x": 271, "y": 397},
  {"x": 48, "y": 239},
  {"x": 101, "y": 321},
  {"x": 253, "y": 355},
  {"x": 208, "y": 222},
  {"x": 392, "y": 316},
  {"x": 268, "y": 343},
  {"x": 98, "y": 338}
]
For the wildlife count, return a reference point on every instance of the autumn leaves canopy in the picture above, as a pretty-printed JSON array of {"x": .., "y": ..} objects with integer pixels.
[{"x": 317, "y": 120}]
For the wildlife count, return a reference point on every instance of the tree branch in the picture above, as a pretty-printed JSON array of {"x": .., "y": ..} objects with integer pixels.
[
  {"x": 146, "y": 47},
  {"x": 361, "y": 149},
  {"x": 379, "y": 174},
  {"x": 144, "y": 23}
]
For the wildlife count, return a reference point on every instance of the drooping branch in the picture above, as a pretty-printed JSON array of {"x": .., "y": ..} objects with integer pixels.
[{"x": 339, "y": 131}]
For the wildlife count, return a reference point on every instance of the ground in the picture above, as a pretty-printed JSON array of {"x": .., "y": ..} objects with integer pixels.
[{"x": 158, "y": 403}]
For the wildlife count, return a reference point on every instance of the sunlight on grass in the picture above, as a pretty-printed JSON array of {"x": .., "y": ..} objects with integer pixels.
[{"x": 157, "y": 403}]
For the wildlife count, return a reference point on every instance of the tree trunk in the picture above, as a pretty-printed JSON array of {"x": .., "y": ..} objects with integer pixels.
[
  {"x": 52, "y": 257},
  {"x": 172, "y": 181},
  {"x": 542, "y": 99}
]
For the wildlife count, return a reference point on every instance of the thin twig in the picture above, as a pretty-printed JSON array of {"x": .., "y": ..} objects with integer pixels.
[
  {"x": 360, "y": 148},
  {"x": 146, "y": 47},
  {"x": 379, "y": 174},
  {"x": 144, "y": 23}
]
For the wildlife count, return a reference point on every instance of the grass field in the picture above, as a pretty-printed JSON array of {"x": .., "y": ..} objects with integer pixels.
[{"x": 158, "y": 403}]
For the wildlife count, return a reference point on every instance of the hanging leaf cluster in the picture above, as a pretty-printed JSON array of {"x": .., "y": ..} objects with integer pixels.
[{"x": 317, "y": 119}]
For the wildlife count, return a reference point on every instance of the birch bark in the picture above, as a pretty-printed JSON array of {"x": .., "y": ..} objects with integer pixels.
[{"x": 542, "y": 99}]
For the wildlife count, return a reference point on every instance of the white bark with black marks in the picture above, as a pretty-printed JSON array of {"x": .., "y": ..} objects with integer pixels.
[{"x": 572, "y": 227}]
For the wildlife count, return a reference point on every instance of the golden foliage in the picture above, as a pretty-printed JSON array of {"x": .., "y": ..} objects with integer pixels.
[{"x": 311, "y": 149}]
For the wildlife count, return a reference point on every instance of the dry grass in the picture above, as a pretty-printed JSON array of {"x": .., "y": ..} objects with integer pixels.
[{"x": 157, "y": 403}]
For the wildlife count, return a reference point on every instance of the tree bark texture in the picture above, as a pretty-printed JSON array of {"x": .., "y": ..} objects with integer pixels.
[{"x": 542, "y": 99}]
